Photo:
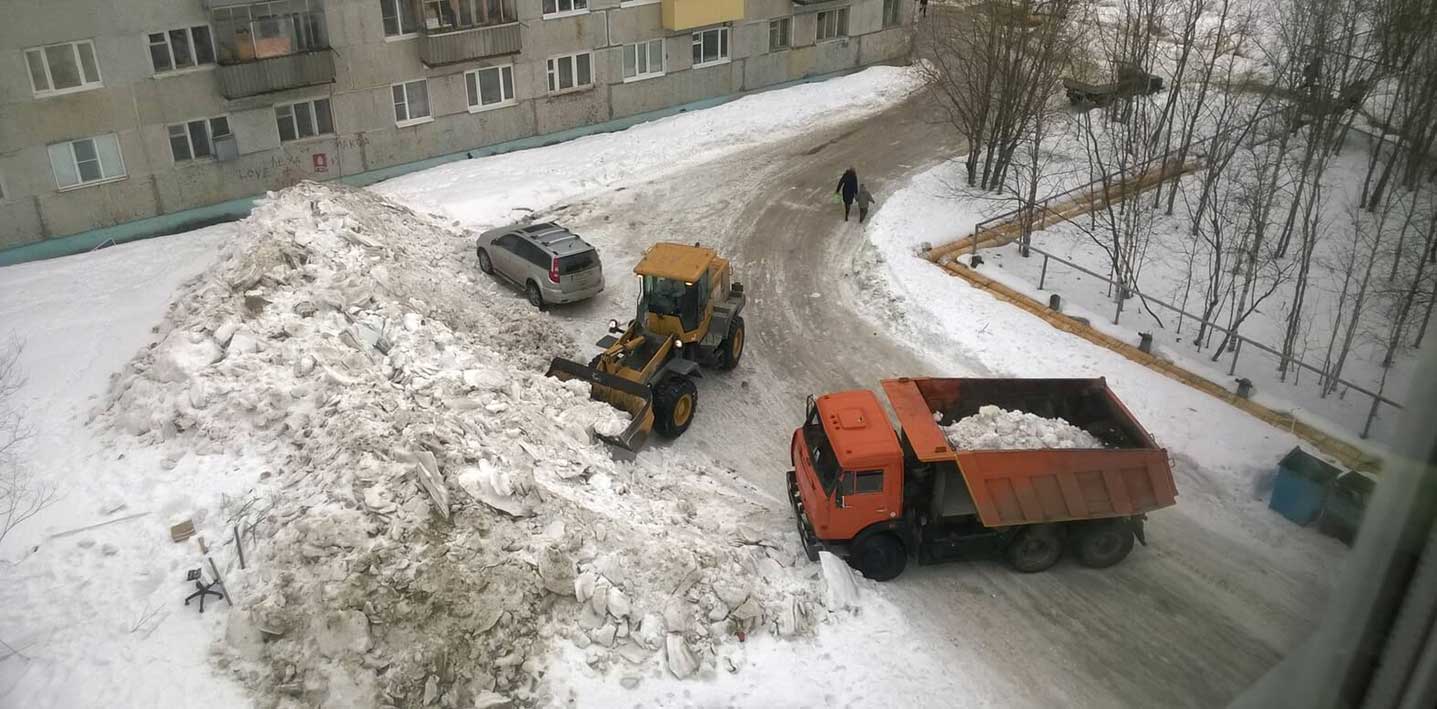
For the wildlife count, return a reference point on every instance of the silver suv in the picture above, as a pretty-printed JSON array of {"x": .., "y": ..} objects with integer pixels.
[{"x": 548, "y": 262}]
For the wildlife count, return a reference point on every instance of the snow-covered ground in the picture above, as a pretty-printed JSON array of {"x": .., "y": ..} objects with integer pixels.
[{"x": 260, "y": 396}]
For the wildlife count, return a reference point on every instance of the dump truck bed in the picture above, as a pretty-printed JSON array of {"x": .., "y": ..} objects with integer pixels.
[{"x": 1129, "y": 476}]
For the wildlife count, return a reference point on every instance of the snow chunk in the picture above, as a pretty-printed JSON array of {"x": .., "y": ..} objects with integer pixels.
[
  {"x": 842, "y": 591},
  {"x": 994, "y": 428}
]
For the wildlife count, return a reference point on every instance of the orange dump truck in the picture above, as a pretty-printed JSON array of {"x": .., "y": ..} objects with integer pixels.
[{"x": 877, "y": 496}]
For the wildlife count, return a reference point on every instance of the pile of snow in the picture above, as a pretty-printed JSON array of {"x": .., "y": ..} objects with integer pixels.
[
  {"x": 437, "y": 516},
  {"x": 995, "y": 428}
]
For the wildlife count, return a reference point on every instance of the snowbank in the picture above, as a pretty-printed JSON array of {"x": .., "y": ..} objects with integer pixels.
[
  {"x": 440, "y": 516},
  {"x": 506, "y": 188},
  {"x": 994, "y": 428}
]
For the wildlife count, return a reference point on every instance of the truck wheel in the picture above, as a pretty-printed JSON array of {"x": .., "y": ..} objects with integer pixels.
[
  {"x": 1035, "y": 549},
  {"x": 1104, "y": 544},
  {"x": 675, "y": 401},
  {"x": 881, "y": 557},
  {"x": 733, "y": 345}
]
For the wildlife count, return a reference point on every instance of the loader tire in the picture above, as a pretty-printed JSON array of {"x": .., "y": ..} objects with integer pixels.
[
  {"x": 1035, "y": 548},
  {"x": 675, "y": 401},
  {"x": 1103, "y": 544},
  {"x": 732, "y": 348},
  {"x": 881, "y": 558}
]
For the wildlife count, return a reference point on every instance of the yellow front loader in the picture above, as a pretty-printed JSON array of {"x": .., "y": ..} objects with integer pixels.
[{"x": 688, "y": 317}]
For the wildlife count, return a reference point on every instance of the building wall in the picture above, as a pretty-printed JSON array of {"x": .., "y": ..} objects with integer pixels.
[{"x": 138, "y": 105}]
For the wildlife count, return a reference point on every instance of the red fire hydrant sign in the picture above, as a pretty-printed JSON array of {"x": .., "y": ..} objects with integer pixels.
[{"x": 321, "y": 162}]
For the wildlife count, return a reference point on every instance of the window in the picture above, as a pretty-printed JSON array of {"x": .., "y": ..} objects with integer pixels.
[
  {"x": 181, "y": 48},
  {"x": 863, "y": 482},
  {"x": 244, "y": 33},
  {"x": 399, "y": 19},
  {"x": 891, "y": 9},
  {"x": 88, "y": 161},
  {"x": 303, "y": 120},
  {"x": 565, "y": 7},
  {"x": 411, "y": 102},
  {"x": 569, "y": 72},
  {"x": 195, "y": 139},
  {"x": 833, "y": 24},
  {"x": 486, "y": 12},
  {"x": 490, "y": 88},
  {"x": 644, "y": 59},
  {"x": 780, "y": 34},
  {"x": 63, "y": 68},
  {"x": 711, "y": 46}
]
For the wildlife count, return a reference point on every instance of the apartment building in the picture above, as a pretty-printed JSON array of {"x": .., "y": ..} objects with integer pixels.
[{"x": 112, "y": 112}]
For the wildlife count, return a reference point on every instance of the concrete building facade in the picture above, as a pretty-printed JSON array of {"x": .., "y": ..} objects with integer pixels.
[{"x": 113, "y": 112}]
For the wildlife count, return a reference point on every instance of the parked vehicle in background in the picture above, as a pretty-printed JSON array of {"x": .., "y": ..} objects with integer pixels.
[
  {"x": 876, "y": 496},
  {"x": 1131, "y": 81},
  {"x": 549, "y": 263}
]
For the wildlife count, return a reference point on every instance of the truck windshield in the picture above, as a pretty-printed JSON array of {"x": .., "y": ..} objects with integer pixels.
[{"x": 820, "y": 451}]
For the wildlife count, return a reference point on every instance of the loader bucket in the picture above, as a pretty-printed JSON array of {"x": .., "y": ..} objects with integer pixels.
[{"x": 622, "y": 394}]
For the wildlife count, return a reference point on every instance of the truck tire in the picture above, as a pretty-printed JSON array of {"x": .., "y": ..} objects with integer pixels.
[
  {"x": 881, "y": 557},
  {"x": 675, "y": 401},
  {"x": 1035, "y": 549},
  {"x": 1103, "y": 544},
  {"x": 732, "y": 348}
]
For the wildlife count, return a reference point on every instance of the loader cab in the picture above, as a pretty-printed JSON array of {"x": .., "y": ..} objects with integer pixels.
[
  {"x": 679, "y": 285},
  {"x": 849, "y": 465}
]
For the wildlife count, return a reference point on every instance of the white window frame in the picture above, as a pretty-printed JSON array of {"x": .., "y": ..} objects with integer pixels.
[
  {"x": 411, "y": 33},
  {"x": 196, "y": 64},
  {"x": 551, "y": 72},
  {"x": 725, "y": 46},
  {"x": 313, "y": 118},
  {"x": 897, "y": 14},
  {"x": 473, "y": 75},
  {"x": 787, "y": 24},
  {"x": 559, "y": 10},
  {"x": 411, "y": 119},
  {"x": 840, "y": 16},
  {"x": 638, "y": 3},
  {"x": 119, "y": 153},
  {"x": 74, "y": 45},
  {"x": 647, "y": 49},
  {"x": 209, "y": 126}
]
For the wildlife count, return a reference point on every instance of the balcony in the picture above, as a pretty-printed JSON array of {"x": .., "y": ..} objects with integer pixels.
[
  {"x": 450, "y": 46},
  {"x": 688, "y": 14},
  {"x": 288, "y": 71}
]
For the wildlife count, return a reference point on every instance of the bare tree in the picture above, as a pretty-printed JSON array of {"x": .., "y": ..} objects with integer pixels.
[
  {"x": 991, "y": 71},
  {"x": 21, "y": 495}
]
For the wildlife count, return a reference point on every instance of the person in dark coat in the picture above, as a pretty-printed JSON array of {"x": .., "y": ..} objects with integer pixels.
[
  {"x": 923, "y": 7},
  {"x": 848, "y": 189}
]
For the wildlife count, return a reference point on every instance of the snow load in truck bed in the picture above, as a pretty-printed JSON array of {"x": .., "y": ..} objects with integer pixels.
[{"x": 995, "y": 428}]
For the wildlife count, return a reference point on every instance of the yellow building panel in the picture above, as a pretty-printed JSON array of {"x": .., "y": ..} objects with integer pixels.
[{"x": 688, "y": 14}]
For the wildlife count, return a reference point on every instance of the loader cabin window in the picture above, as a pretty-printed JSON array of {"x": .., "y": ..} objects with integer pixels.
[
  {"x": 685, "y": 301},
  {"x": 820, "y": 451}
]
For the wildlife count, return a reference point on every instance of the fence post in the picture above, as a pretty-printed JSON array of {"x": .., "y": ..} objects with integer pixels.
[
  {"x": 1043, "y": 277},
  {"x": 1236, "y": 351},
  {"x": 1371, "y": 414}
]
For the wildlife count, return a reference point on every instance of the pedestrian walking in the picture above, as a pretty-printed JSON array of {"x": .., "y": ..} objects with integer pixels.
[
  {"x": 848, "y": 189},
  {"x": 864, "y": 199},
  {"x": 923, "y": 8}
]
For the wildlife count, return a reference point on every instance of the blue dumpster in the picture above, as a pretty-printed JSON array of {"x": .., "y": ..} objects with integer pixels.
[
  {"x": 1301, "y": 486},
  {"x": 1346, "y": 501}
]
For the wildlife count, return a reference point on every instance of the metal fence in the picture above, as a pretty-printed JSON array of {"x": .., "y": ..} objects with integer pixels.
[{"x": 1240, "y": 340}]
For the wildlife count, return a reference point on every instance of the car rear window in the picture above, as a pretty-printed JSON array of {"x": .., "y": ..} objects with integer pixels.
[{"x": 574, "y": 263}]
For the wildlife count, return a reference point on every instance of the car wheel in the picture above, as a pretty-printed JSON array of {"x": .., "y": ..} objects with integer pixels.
[
  {"x": 733, "y": 345},
  {"x": 1035, "y": 548},
  {"x": 1103, "y": 544},
  {"x": 675, "y": 402},
  {"x": 485, "y": 264},
  {"x": 536, "y": 298}
]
